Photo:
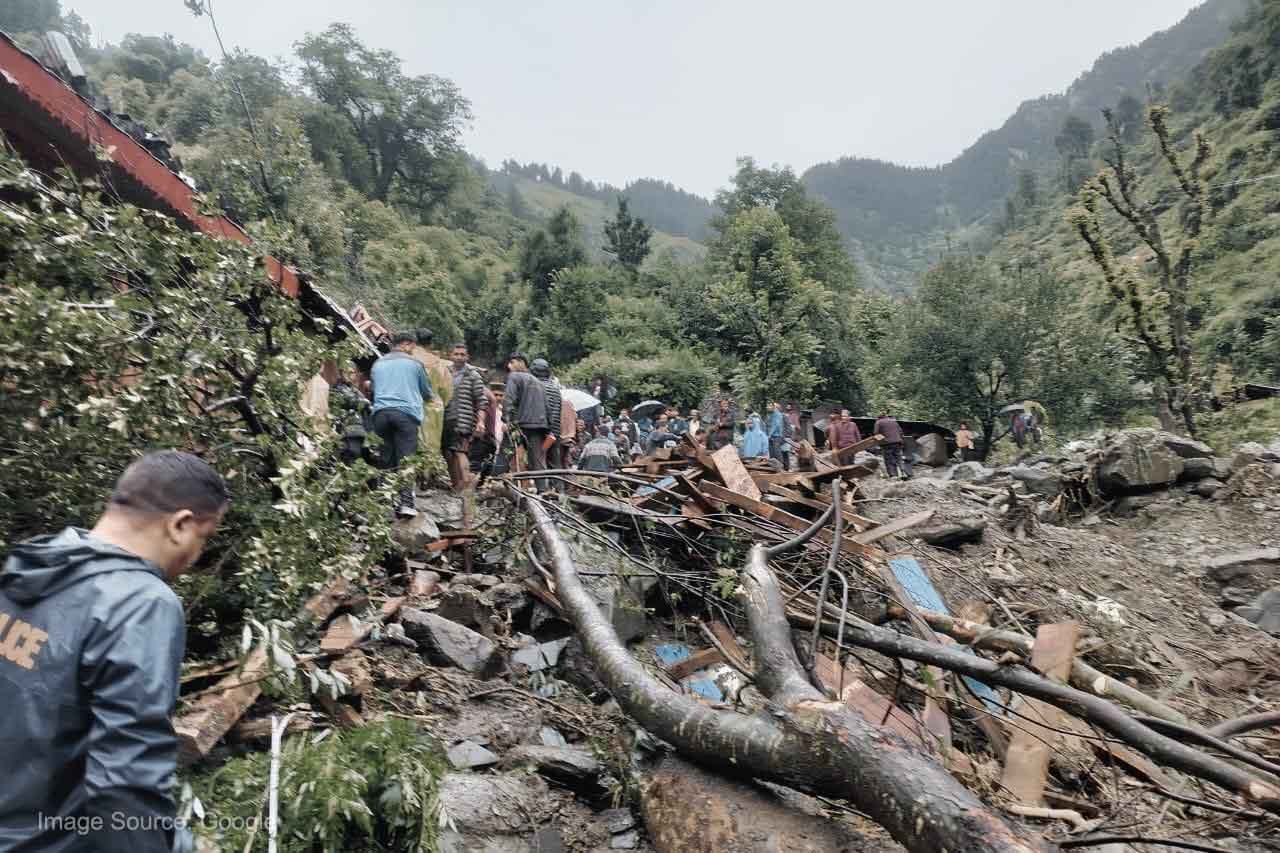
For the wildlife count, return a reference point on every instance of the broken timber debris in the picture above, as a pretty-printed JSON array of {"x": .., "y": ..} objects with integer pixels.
[
  {"x": 224, "y": 704},
  {"x": 1026, "y": 765}
]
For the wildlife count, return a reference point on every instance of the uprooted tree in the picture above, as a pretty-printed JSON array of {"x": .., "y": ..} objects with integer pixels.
[
  {"x": 804, "y": 739},
  {"x": 1157, "y": 308}
]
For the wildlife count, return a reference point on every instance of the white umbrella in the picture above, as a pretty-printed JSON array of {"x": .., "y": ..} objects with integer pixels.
[{"x": 580, "y": 400}]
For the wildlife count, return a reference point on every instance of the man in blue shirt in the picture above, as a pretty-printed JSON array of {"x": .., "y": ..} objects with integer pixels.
[
  {"x": 400, "y": 388},
  {"x": 777, "y": 430}
]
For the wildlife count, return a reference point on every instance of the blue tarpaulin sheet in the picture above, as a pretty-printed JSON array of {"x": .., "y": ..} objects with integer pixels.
[
  {"x": 917, "y": 585},
  {"x": 669, "y": 653}
]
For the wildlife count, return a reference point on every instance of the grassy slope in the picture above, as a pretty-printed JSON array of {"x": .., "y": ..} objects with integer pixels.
[{"x": 544, "y": 199}]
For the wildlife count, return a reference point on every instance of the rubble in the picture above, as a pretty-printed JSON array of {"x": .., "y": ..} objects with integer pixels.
[
  {"x": 1151, "y": 635},
  {"x": 448, "y": 643}
]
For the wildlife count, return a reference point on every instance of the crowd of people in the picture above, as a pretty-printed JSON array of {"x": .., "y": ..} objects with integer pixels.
[{"x": 527, "y": 422}]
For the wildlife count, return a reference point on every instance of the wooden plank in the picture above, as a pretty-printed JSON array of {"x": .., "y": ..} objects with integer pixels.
[
  {"x": 345, "y": 631},
  {"x": 1026, "y": 766},
  {"x": 700, "y": 659},
  {"x": 872, "y": 706},
  {"x": 796, "y": 498},
  {"x": 898, "y": 525},
  {"x": 786, "y": 519},
  {"x": 844, "y": 472},
  {"x": 726, "y": 637},
  {"x": 734, "y": 473},
  {"x": 788, "y": 478},
  {"x": 685, "y": 480}
]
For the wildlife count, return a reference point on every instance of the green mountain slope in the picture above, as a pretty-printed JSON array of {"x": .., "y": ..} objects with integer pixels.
[
  {"x": 543, "y": 198},
  {"x": 1233, "y": 97},
  {"x": 898, "y": 219}
]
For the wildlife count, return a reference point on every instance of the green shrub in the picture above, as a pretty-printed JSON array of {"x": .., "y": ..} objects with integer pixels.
[
  {"x": 678, "y": 377},
  {"x": 372, "y": 788}
]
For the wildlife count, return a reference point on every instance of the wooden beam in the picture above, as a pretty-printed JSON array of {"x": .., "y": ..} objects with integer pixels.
[
  {"x": 700, "y": 659},
  {"x": 1026, "y": 766},
  {"x": 734, "y": 473},
  {"x": 898, "y": 525},
  {"x": 873, "y": 707},
  {"x": 786, "y": 519},
  {"x": 224, "y": 704},
  {"x": 844, "y": 472},
  {"x": 796, "y": 498}
]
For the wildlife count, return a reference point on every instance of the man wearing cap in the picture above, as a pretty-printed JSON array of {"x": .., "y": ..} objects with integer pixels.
[
  {"x": 554, "y": 442},
  {"x": 524, "y": 407}
]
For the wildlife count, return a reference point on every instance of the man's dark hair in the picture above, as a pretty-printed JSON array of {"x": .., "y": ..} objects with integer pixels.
[
  {"x": 462, "y": 344},
  {"x": 166, "y": 481},
  {"x": 423, "y": 337},
  {"x": 518, "y": 356},
  {"x": 403, "y": 338}
]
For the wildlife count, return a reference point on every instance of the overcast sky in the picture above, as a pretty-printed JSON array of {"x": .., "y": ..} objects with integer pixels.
[{"x": 676, "y": 89}]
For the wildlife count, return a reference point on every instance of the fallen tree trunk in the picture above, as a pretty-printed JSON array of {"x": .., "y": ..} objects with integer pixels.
[
  {"x": 1083, "y": 675},
  {"x": 805, "y": 741},
  {"x": 1107, "y": 716}
]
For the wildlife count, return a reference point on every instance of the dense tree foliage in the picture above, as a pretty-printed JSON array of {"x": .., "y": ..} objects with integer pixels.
[
  {"x": 975, "y": 339},
  {"x": 136, "y": 334},
  {"x": 547, "y": 251},
  {"x": 401, "y": 132}
]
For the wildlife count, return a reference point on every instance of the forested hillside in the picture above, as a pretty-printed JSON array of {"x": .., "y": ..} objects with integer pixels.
[
  {"x": 666, "y": 207},
  {"x": 536, "y": 199},
  {"x": 900, "y": 220},
  {"x": 1233, "y": 99}
]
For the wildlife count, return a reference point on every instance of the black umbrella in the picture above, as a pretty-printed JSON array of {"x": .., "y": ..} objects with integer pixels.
[{"x": 641, "y": 409}]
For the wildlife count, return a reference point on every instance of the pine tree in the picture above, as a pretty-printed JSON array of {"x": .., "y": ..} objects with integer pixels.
[{"x": 628, "y": 238}]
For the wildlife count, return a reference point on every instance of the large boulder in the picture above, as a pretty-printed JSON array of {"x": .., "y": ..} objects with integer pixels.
[
  {"x": 931, "y": 450},
  {"x": 1263, "y": 611},
  {"x": 489, "y": 814},
  {"x": 1198, "y": 468},
  {"x": 412, "y": 535},
  {"x": 447, "y": 643},
  {"x": 1039, "y": 481},
  {"x": 869, "y": 459},
  {"x": 1139, "y": 460},
  {"x": 573, "y": 767},
  {"x": 444, "y": 506},
  {"x": 972, "y": 472},
  {"x": 1227, "y": 567}
]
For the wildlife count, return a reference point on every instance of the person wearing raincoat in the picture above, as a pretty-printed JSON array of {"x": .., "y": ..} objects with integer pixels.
[
  {"x": 91, "y": 645},
  {"x": 756, "y": 441}
]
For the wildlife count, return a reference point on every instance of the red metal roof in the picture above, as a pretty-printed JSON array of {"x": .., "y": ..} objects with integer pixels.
[{"x": 51, "y": 126}]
